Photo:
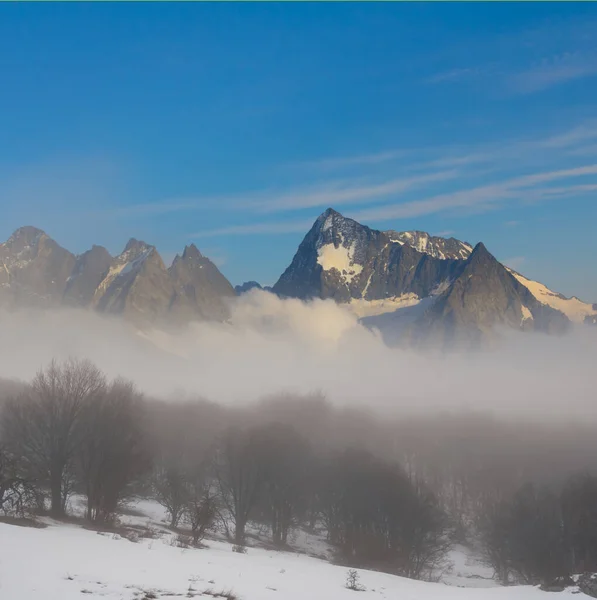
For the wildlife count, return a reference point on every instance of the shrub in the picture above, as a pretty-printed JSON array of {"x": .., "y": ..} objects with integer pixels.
[{"x": 352, "y": 581}]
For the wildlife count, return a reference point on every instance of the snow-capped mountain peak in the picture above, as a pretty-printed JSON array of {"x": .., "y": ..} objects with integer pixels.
[
  {"x": 438, "y": 247},
  {"x": 576, "y": 310}
]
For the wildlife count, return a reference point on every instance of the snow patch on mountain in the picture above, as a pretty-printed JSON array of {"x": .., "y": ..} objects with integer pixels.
[
  {"x": 576, "y": 310},
  {"x": 126, "y": 263},
  {"x": 111, "y": 275},
  {"x": 340, "y": 258},
  {"x": 526, "y": 314},
  {"x": 370, "y": 308}
]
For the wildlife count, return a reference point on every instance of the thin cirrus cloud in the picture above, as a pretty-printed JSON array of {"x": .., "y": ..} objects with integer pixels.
[
  {"x": 424, "y": 176},
  {"x": 545, "y": 74},
  {"x": 577, "y": 141},
  {"x": 280, "y": 227},
  {"x": 483, "y": 197},
  {"x": 340, "y": 162},
  {"x": 478, "y": 199},
  {"x": 552, "y": 72},
  {"x": 337, "y": 192},
  {"x": 573, "y": 137},
  {"x": 344, "y": 193}
]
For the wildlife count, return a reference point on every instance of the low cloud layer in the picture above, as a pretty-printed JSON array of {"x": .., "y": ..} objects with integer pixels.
[{"x": 273, "y": 345}]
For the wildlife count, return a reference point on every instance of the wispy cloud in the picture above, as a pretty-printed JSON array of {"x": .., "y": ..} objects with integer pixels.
[
  {"x": 482, "y": 197},
  {"x": 478, "y": 199},
  {"x": 453, "y": 160},
  {"x": 588, "y": 150},
  {"x": 151, "y": 209},
  {"x": 347, "y": 192},
  {"x": 553, "y": 71},
  {"x": 280, "y": 227},
  {"x": 351, "y": 161},
  {"x": 577, "y": 135},
  {"x": 573, "y": 141},
  {"x": 394, "y": 198},
  {"x": 336, "y": 192}
]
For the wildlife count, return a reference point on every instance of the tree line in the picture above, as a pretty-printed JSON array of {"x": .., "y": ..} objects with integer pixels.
[{"x": 388, "y": 493}]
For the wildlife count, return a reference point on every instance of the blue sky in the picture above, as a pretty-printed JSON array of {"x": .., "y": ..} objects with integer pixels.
[{"x": 234, "y": 125}]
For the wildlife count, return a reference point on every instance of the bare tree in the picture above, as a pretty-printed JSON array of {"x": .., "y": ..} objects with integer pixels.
[
  {"x": 527, "y": 536},
  {"x": 238, "y": 469},
  {"x": 377, "y": 517},
  {"x": 112, "y": 452},
  {"x": 579, "y": 514},
  {"x": 17, "y": 494},
  {"x": 43, "y": 424},
  {"x": 493, "y": 526},
  {"x": 285, "y": 456},
  {"x": 422, "y": 539},
  {"x": 171, "y": 488},
  {"x": 201, "y": 512}
]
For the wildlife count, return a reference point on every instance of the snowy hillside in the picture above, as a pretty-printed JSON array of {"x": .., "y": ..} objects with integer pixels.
[{"x": 67, "y": 562}]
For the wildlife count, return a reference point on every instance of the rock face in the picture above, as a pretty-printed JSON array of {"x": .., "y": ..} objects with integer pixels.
[
  {"x": 88, "y": 272},
  {"x": 342, "y": 259},
  {"x": 464, "y": 293},
  {"x": 199, "y": 287},
  {"x": 136, "y": 285},
  {"x": 483, "y": 296},
  {"x": 33, "y": 269},
  {"x": 437, "y": 247},
  {"x": 36, "y": 271}
]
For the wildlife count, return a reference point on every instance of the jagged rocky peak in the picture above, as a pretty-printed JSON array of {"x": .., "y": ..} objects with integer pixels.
[
  {"x": 200, "y": 288},
  {"x": 484, "y": 295},
  {"x": 191, "y": 252},
  {"x": 33, "y": 269},
  {"x": 480, "y": 253},
  {"x": 438, "y": 247},
  {"x": 136, "y": 285},
  {"x": 329, "y": 261},
  {"x": 90, "y": 269},
  {"x": 135, "y": 248},
  {"x": 340, "y": 258},
  {"x": 36, "y": 271},
  {"x": 24, "y": 237},
  {"x": 333, "y": 228},
  {"x": 94, "y": 253}
]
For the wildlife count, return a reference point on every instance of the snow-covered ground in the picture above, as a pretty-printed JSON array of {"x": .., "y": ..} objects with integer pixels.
[
  {"x": 467, "y": 570},
  {"x": 67, "y": 562}
]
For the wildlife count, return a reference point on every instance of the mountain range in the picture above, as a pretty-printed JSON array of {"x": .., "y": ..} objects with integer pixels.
[
  {"x": 36, "y": 271},
  {"x": 416, "y": 287},
  {"x": 444, "y": 290}
]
